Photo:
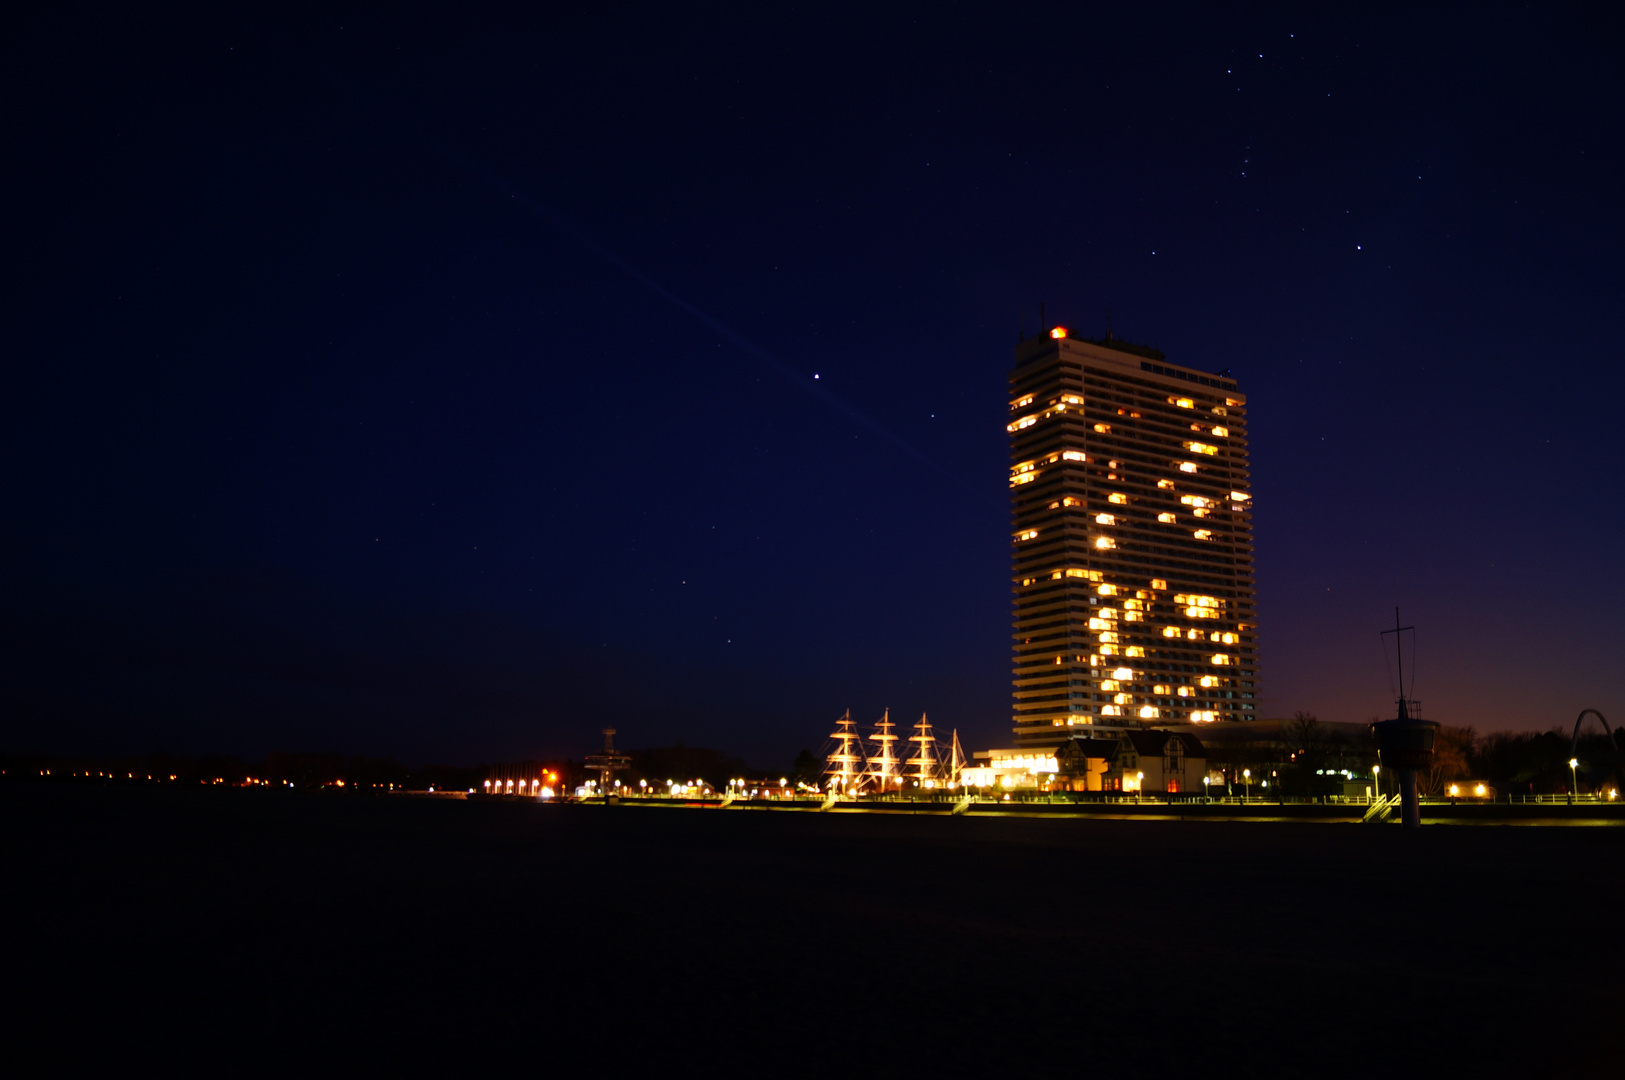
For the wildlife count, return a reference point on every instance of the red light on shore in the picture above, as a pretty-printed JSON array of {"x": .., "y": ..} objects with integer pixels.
[{"x": 1058, "y": 333}]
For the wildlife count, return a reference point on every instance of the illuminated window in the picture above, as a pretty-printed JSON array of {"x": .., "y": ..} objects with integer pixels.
[
  {"x": 1021, "y": 403},
  {"x": 1202, "y": 716},
  {"x": 1229, "y": 639},
  {"x": 1055, "y": 576},
  {"x": 1167, "y": 631},
  {"x": 1108, "y": 613},
  {"x": 1193, "y": 635},
  {"x": 1208, "y": 680},
  {"x": 1110, "y": 710},
  {"x": 1240, "y": 496},
  {"x": 1072, "y": 399},
  {"x": 1108, "y": 684},
  {"x": 1027, "y": 535},
  {"x": 1099, "y": 624},
  {"x": 1070, "y": 501},
  {"x": 1166, "y": 519},
  {"x": 1219, "y": 410},
  {"x": 1160, "y": 690},
  {"x": 1073, "y": 455},
  {"x": 1058, "y": 333},
  {"x": 1231, "y": 401},
  {"x": 1134, "y": 650},
  {"x": 1104, "y": 429},
  {"x": 1024, "y": 422},
  {"x": 1133, "y": 605},
  {"x": 1105, "y": 543},
  {"x": 1221, "y": 659},
  {"x": 1108, "y": 638},
  {"x": 1148, "y": 712},
  {"x": 1117, "y": 497},
  {"x": 1158, "y": 583},
  {"x": 1165, "y": 484},
  {"x": 1187, "y": 466},
  {"x": 1201, "y": 448},
  {"x": 1108, "y": 650},
  {"x": 1182, "y": 402},
  {"x": 1123, "y": 699},
  {"x": 1105, "y": 519},
  {"x": 1194, "y": 500},
  {"x": 1107, "y": 590},
  {"x": 1024, "y": 478},
  {"x": 1222, "y": 432},
  {"x": 1184, "y": 691},
  {"x": 1133, "y": 616},
  {"x": 1203, "y": 534},
  {"x": 1093, "y": 575},
  {"x": 1028, "y": 580}
]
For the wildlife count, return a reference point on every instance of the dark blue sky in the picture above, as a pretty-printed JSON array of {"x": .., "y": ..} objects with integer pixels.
[{"x": 442, "y": 384}]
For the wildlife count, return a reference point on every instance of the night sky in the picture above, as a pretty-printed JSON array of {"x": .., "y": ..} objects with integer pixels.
[{"x": 449, "y": 386}]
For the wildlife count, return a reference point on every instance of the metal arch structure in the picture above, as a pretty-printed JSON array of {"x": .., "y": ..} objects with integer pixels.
[{"x": 1613, "y": 742}]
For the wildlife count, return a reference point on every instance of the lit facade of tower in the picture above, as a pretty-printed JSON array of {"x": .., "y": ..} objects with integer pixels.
[{"x": 1132, "y": 535}]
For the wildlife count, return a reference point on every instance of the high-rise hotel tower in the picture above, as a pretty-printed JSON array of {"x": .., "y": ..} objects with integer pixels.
[{"x": 1133, "y": 541}]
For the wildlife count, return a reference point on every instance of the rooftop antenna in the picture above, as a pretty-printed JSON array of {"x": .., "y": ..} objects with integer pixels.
[{"x": 1399, "y": 655}]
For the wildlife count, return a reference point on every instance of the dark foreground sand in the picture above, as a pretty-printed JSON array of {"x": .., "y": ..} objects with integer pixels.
[{"x": 235, "y": 931}]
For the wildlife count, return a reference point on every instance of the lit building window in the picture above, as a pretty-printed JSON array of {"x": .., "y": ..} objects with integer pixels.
[
  {"x": 1133, "y": 605},
  {"x": 1187, "y": 466},
  {"x": 1182, "y": 402},
  {"x": 1110, "y": 710},
  {"x": 1194, "y": 500},
  {"x": 1134, "y": 650},
  {"x": 1117, "y": 497},
  {"x": 1220, "y": 659},
  {"x": 1222, "y": 432},
  {"x": 1158, "y": 583},
  {"x": 1133, "y": 616},
  {"x": 1073, "y": 455},
  {"x": 1099, "y": 624},
  {"x": 1193, "y": 635},
  {"x": 1072, "y": 399},
  {"x": 1201, "y": 448},
  {"x": 1021, "y": 403},
  {"x": 1219, "y": 410},
  {"x": 1203, "y": 534},
  {"x": 1055, "y": 576},
  {"x": 1160, "y": 690},
  {"x": 1058, "y": 333},
  {"x": 1107, "y": 590},
  {"x": 1105, "y": 543},
  {"x": 1123, "y": 699},
  {"x": 1202, "y": 716},
  {"x": 1108, "y": 638},
  {"x": 1148, "y": 712},
  {"x": 1228, "y": 639},
  {"x": 1104, "y": 429},
  {"x": 1070, "y": 501},
  {"x": 1024, "y": 478},
  {"x": 1108, "y": 684},
  {"x": 1240, "y": 496},
  {"x": 1105, "y": 519},
  {"x": 1024, "y": 422},
  {"x": 1028, "y": 580},
  {"x": 1108, "y": 650},
  {"x": 1169, "y": 484},
  {"x": 1231, "y": 401},
  {"x": 1027, "y": 534},
  {"x": 1167, "y": 631},
  {"x": 1184, "y": 691},
  {"x": 1108, "y": 613},
  {"x": 1166, "y": 519}
]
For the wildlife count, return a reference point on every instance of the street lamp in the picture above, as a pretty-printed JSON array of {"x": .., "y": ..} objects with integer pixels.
[
  {"x": 1207, "y": 792},
  {"x": 1574, "y": 777},
  {"x": 1247, "y": 779},
  {"x": 1376, "y": 781},
  {"x": 1139, "y": 786}
]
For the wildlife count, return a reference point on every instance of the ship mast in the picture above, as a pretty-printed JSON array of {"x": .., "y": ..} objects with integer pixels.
[
  {"x": 924, "y": 759},
  {"x": 845, "y": 765},
  {"x": 956, "y": 761},
  {"x": 882, "y": 771}
]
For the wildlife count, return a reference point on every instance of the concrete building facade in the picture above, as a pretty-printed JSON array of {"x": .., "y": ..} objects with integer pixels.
[{"x": 1132, "y": 539}]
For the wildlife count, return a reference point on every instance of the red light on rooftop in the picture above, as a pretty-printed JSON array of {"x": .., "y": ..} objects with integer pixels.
[{"x": 1058, "y": 333}]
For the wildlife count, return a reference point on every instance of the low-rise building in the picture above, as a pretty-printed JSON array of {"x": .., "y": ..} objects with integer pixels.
[{"x": 1162, "y": 761}]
